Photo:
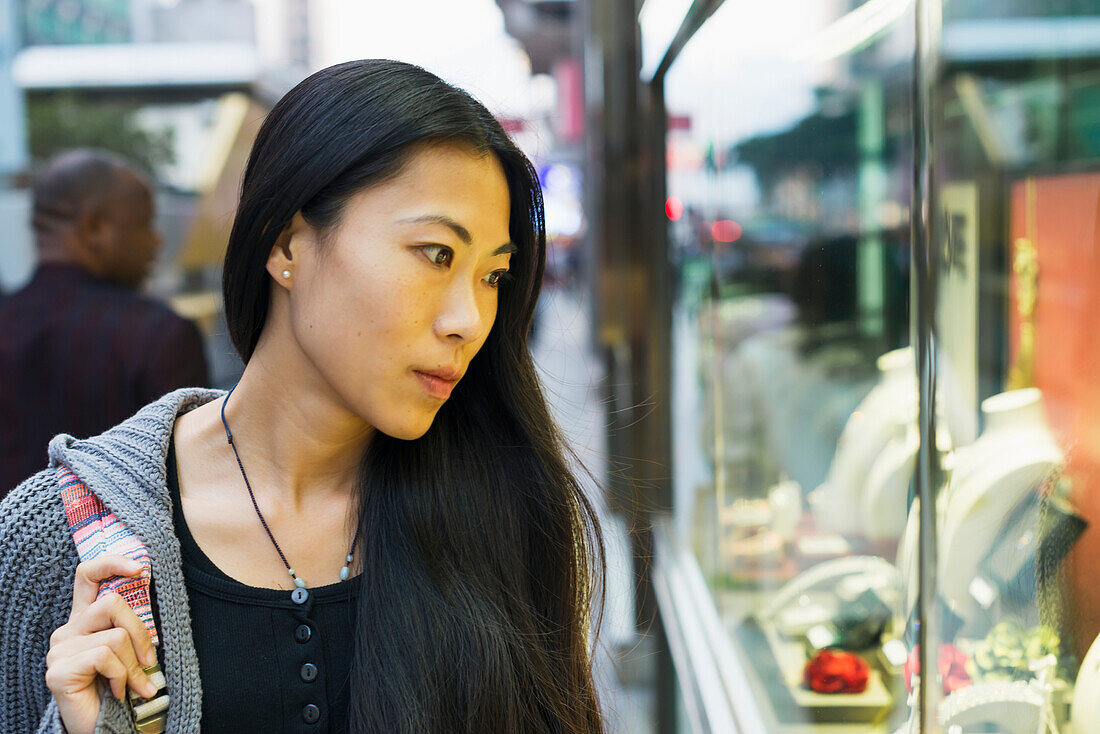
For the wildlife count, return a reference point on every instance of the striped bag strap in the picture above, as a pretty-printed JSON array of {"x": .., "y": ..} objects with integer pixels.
[{"x": 96, "y": 531}]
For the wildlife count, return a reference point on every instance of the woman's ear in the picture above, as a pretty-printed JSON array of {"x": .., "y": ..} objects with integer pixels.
[{"x": 281, "y": 260}]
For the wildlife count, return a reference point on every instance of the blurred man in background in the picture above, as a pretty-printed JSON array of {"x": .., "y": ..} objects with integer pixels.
[{"x": 80, "y": 348}]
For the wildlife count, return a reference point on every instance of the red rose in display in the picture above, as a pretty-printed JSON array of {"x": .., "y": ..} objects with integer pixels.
[
  {"x": 952, "y": 668},
  {"x": 831, "y": 671}
]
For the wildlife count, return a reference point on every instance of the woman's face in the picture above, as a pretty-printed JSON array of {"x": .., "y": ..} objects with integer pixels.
[{"x": 392, "y": 309}]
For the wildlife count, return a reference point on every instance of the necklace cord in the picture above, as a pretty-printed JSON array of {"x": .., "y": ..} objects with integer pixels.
[{"x": 256, "y": 506}]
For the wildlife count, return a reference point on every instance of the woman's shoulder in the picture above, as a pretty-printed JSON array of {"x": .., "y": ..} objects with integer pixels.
[
  {"x": 34, "y": 501},
  {"x": 148, "y": 428},
  {"x": 33, "y": 526},
  {"x": 37, "y": 564},
  {"x": 124, "y": 465}
]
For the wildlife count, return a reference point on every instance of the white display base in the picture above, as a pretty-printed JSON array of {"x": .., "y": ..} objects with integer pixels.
[
  {"x": 893, "y": 400},
  {"x": 990, "y": 479},
  {"x": 1085, "y": 714}
]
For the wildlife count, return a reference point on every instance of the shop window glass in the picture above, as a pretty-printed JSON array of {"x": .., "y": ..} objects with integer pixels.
[
  {"x": 1016, "y": 191},
  {"x": 795, "y": 419}
]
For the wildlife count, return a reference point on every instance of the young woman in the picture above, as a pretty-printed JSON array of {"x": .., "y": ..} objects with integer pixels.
[{"x": 376, "y": 530}]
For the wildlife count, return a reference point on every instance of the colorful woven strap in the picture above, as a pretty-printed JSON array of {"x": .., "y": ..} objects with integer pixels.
[{"x": 97, "y": 531}]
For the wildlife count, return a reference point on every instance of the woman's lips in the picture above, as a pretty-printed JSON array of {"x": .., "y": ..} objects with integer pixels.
[{"x": 435, "y": 386}]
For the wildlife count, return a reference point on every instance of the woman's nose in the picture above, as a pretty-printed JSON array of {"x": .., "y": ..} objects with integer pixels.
[{"x": 461, "y": 318}]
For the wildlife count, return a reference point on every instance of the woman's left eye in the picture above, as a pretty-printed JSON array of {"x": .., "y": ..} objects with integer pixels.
[
  {"x": 495, "y": 278},
  {"x": 438, "y": 254}
]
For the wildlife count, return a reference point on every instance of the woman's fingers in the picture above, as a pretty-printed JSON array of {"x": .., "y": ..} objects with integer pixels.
[
  {"x": 91, "y": 574},
  {"x": 75, "y": 661},
  {"x": 103, "y": 638},
  {"x": 73, "y": 675},
  {"x": 107, "y": 612}
]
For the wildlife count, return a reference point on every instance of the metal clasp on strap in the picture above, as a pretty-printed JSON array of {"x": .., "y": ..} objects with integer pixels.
[{"x": 151, "y": 714}]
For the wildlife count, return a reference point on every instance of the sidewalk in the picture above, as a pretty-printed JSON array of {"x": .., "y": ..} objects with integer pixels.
[{"x": 571, "y": 377}]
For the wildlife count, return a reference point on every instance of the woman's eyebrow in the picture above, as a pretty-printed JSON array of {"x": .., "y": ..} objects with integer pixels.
[{"x": 461, "y": 232}]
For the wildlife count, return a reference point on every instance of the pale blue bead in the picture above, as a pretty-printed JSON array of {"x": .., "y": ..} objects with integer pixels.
[
  {"x": 349, "y": 559},
  {"x": 290, "y": 571},
  {"x": 344, "y": 573},
  {"x": 299, "y": 583}
]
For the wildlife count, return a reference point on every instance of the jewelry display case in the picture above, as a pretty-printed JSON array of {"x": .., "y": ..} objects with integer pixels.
[{"x": 836, "y": 366}]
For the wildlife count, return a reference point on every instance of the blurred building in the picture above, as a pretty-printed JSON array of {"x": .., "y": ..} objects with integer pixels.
[
  {"x": 551, "y": 34},
  {"x": 180, "y": 88},
  {"x": 55, "y": 22}
]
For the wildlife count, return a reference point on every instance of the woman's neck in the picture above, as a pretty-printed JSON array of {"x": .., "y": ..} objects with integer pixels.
[{"x": 297, "y": 442}]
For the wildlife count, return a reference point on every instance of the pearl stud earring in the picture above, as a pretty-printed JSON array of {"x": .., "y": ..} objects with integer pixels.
[{"x": 286, "y": 274}]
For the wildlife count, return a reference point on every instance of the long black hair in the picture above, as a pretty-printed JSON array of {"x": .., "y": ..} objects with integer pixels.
[{"x": 481, "y": 556}]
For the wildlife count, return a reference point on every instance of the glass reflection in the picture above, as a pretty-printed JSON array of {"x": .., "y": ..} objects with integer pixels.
[
  {"x": 1015, "y": 246},
  {"x": 791, "y": 240},
  {"x": 790, "y": 182}
]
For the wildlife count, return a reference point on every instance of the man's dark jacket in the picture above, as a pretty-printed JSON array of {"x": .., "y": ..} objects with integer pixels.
[{"x": 79, "y": 355}]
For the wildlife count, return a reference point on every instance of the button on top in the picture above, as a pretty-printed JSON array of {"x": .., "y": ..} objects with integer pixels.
[
  {"x": 311, "y": 714},
  {"x": 309, "y": 672},
  {"x": 303, "y": 633},
  {"x": 299, "y": 596}
]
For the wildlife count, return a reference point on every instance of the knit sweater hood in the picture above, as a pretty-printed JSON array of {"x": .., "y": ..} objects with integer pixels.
[{"x": 125, "y": 468}]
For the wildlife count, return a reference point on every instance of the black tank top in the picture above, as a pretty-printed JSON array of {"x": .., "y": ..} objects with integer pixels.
[{"x": 266, "y": 664}]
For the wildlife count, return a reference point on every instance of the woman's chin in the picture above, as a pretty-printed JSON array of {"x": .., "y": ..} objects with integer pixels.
[{"x": 408, "y": 429}]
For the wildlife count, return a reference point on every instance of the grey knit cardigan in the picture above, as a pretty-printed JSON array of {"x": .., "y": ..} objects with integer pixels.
[{"x": 125, "y": 468}]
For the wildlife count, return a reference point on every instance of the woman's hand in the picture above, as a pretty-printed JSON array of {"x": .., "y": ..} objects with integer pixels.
[{"x": 102, "y": 638}]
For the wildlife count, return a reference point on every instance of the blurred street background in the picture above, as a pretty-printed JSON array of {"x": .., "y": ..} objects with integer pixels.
[{"x": 181, "y": 86}]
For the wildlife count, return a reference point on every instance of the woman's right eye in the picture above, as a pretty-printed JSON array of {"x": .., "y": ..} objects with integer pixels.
[{"x": 438, "y": 254}]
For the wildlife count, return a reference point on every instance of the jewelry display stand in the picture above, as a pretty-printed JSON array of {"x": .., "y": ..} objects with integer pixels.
[
  {"x": 866, "y": 572},
  {"x": 1009, "y": 708},
  {"x": 990, "y": 478},
  {"x": 812, "y": 599},
  {"x": 885, "y": 498},
  {"x": 891, "y": 402},
  {"x": 1085, "y": 714}
]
